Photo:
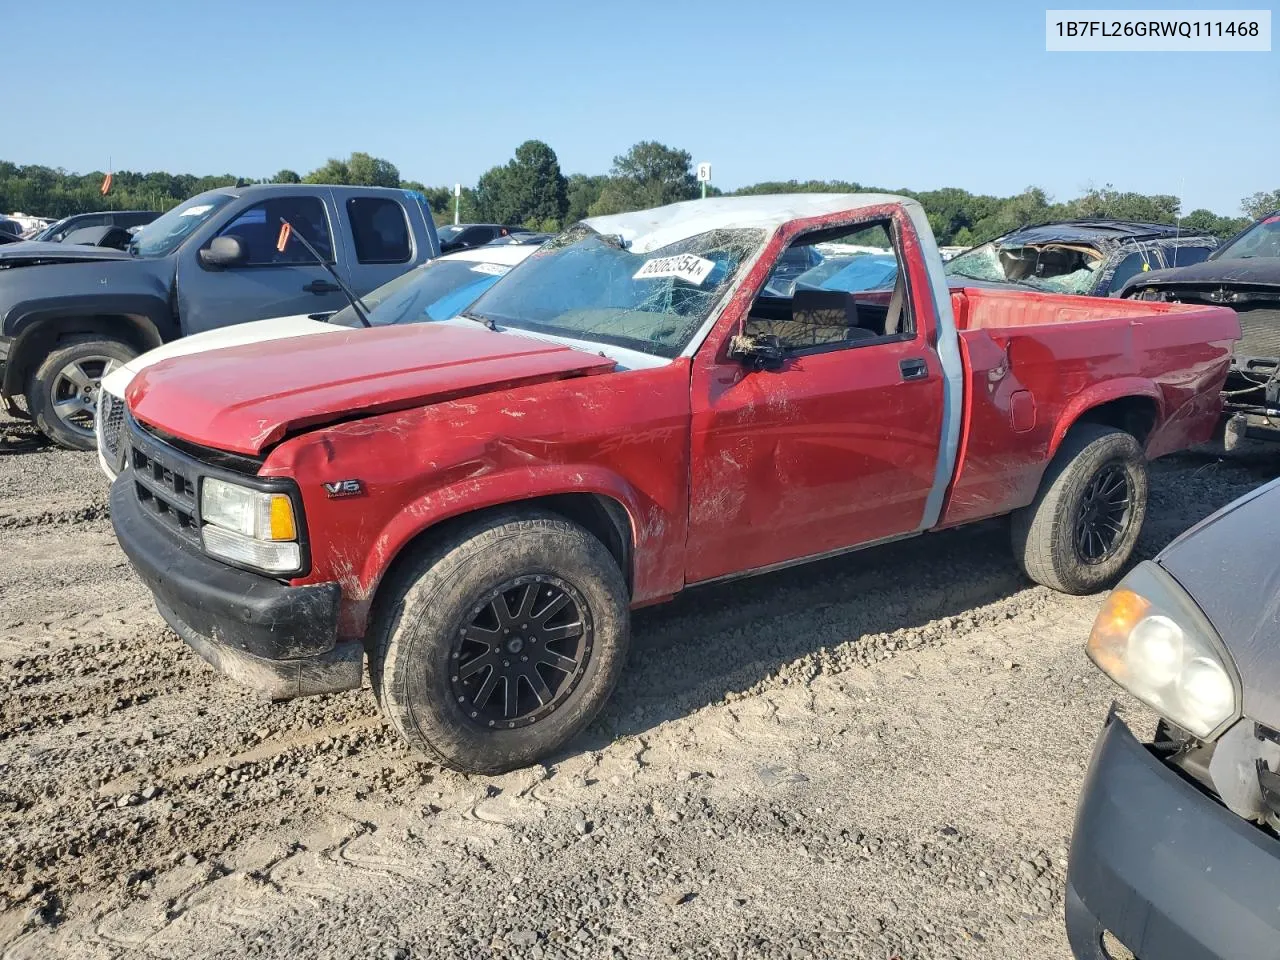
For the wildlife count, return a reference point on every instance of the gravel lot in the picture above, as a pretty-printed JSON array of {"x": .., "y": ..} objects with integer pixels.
[{"x": 876, "y": 756}]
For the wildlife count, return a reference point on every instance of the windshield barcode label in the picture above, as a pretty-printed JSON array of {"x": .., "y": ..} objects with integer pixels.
[{"x": 683, "y": 267}]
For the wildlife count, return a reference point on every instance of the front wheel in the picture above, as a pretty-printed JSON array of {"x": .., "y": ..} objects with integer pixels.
[
  {"x": 1080, "y": 531},
  {"x": 62, "y": 393},
  {"x": 498, "y": 646}
]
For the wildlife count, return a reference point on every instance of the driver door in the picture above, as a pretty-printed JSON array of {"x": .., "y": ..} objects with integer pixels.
[
  {"x": 270, "y": 283},
  {"x": 835, "y": 448}
]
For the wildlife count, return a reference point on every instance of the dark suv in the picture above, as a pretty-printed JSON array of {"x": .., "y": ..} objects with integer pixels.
[
  {"x": 57, "y": 232},
  {"x": 460, "y": 236}
]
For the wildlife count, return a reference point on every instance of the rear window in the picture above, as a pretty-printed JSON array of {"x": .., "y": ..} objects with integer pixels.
[
  {"x": 380, "y": 230},
  {"x": 1185, "y": 256}
]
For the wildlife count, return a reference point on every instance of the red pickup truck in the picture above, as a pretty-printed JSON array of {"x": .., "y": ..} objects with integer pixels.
[{"x": 476, "y": 505}]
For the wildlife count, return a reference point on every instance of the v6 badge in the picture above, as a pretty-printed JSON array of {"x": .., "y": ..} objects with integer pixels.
[{"x": 343, "y": 488}]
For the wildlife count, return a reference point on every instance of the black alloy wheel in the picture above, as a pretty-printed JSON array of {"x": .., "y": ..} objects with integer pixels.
[
  {"x": 1104, "y": 514},
  {"x": 522, "y": 652}
]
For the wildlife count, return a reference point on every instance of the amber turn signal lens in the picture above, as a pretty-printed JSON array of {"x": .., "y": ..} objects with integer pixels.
[
  {"x": 1110, "y": 634},
  {"x": 282, "y": 525}
]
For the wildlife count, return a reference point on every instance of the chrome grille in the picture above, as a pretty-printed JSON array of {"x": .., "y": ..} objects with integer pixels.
[
  {"x": 1259, "y": 333},
  {"x": 109, "y": 426},
  {"x": 165, "y": 484}
]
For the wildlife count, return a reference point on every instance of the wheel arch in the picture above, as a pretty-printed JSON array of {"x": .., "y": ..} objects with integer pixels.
[
  {"x": 38, "y": 334},
  {"x": 601, "y": 514},
  {"x": 1133, "y": 405}
]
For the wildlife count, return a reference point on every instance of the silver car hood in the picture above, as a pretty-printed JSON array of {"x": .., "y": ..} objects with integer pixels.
[{"x": 1230, "y": 564}]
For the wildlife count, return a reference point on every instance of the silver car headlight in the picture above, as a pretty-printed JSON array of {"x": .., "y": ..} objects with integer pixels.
[
  {"x": 1152, "y": 639},
  {"x": 252, "y": 527}
]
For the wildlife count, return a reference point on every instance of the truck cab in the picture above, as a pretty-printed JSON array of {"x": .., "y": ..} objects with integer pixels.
[
  {"x": 475, "y": 506},
  {"x": 70, "y": 315}
]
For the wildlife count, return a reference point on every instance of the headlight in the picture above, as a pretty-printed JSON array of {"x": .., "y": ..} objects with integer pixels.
[
  {"x": 249, "y": 526},
  {"x": 1152, "y": 639}
]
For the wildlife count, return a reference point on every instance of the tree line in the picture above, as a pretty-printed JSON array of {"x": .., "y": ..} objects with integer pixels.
[{"x": 531, "y": 190}]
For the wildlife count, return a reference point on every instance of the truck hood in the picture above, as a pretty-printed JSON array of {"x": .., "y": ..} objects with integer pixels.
[
  {"x": 243, "y": 399},
  {"x": 259, "y": 331},
  {"x": 1229, "y": 565},
  {"x": 1252, "y": 272},
  {"x": 37, "y": 252}
]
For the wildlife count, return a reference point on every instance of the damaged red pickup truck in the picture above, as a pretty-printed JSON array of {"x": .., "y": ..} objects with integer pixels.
[{"x": 476, "y": 505}]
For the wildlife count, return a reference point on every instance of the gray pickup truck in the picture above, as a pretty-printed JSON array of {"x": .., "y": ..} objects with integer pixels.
[{"x": 69, "y": 315}]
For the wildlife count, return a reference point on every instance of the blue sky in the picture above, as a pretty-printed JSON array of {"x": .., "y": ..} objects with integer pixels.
[{"x": 916, "y": 95}]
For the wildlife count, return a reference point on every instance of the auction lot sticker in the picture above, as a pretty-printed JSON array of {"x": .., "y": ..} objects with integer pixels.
[
  {"x": 1129, "y": 31},
  {"x": 684, "y": 266}
]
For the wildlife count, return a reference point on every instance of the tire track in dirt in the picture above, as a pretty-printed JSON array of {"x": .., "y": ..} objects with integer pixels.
[{"x": 776, "y": 774}]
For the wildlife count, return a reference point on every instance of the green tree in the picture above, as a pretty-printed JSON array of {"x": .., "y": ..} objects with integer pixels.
[
  {"x": 1207, "y": 222},
  {"x": 650, "y": 174},
  {"x": 364, "y": 170},
  {"x": 1259, "y": 204},
  {"x": 333, "y": 171},
  {"x": 286, "y": 176},
  {"x": 797, "y": 186},
  {"x": 582, "y": 192},
  {"x": 529, "y": 189},
  {"x": 359, "y": 170},
  {"x": 1113, "y": 204}
]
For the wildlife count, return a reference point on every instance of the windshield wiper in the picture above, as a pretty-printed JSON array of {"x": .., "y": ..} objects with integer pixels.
[
  {"x": 356, "y": 303},
  {"x": 485, "y": 322}
]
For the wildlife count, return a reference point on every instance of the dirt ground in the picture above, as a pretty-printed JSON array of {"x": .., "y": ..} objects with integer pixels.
[{"x": 874, "y": 757}]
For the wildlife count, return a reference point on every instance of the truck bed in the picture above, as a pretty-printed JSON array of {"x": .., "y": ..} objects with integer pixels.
[{"x": 1035, "y": 362}]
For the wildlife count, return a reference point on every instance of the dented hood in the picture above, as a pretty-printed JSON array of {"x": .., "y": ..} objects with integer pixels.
[
  {"x": 245, "y": 398},
  {"x": 38, "y": 251},
  {"x": 1251, "y": 272}
]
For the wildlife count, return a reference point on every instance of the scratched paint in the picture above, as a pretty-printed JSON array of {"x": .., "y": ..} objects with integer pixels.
[{"x": 718, "y": 468}]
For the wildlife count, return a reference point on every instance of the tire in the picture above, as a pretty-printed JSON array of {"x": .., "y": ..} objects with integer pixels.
[
  {"x": 1047, "y": 535},
  {"x": 418, "y": 657},
  {"x": 62, "y": 393}
]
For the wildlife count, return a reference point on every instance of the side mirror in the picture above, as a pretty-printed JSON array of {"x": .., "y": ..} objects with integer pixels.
[
  {"x": 762, "y": 351},
  {"x": 222, "y": 252}
]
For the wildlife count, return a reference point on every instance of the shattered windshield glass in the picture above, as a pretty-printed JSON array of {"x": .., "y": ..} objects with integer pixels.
[
  {"x": 589, "y": 287},
  {"x": 1055, "y": 268}
]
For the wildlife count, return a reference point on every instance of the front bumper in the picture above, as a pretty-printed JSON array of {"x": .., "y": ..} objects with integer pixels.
[
  {"x": 278, "y": 639},
  {"x": 1166, "y": 869}
]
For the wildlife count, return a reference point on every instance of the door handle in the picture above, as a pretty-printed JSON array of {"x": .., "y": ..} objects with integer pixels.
[
  {"x": 913, "y": 369},
  {"x": 321, "y": 286}
]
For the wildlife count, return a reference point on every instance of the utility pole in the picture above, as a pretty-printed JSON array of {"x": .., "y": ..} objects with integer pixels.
[{"x": 457, "y": 201}]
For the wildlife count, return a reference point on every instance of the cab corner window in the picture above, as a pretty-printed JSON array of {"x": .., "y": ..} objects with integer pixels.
[
  {"x": 258, "y": 228},
  {"x": 834, "y": 290},
  {"x": 379, "y": 229}
]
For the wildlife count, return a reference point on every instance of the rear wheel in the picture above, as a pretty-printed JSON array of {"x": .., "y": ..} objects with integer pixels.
[
  {"x": 499, "y": 645},
  {"x": 62, "y": 393},
  {"x": 1080, "y": 531}
]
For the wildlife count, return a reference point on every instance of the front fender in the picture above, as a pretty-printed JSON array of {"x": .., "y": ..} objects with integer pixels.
[
  {"x": 509, "y": 488},
  {"x": 656, "y": 559},
  {"x": 29, "y": 295},
  {"x": 620, "y": 436}
]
